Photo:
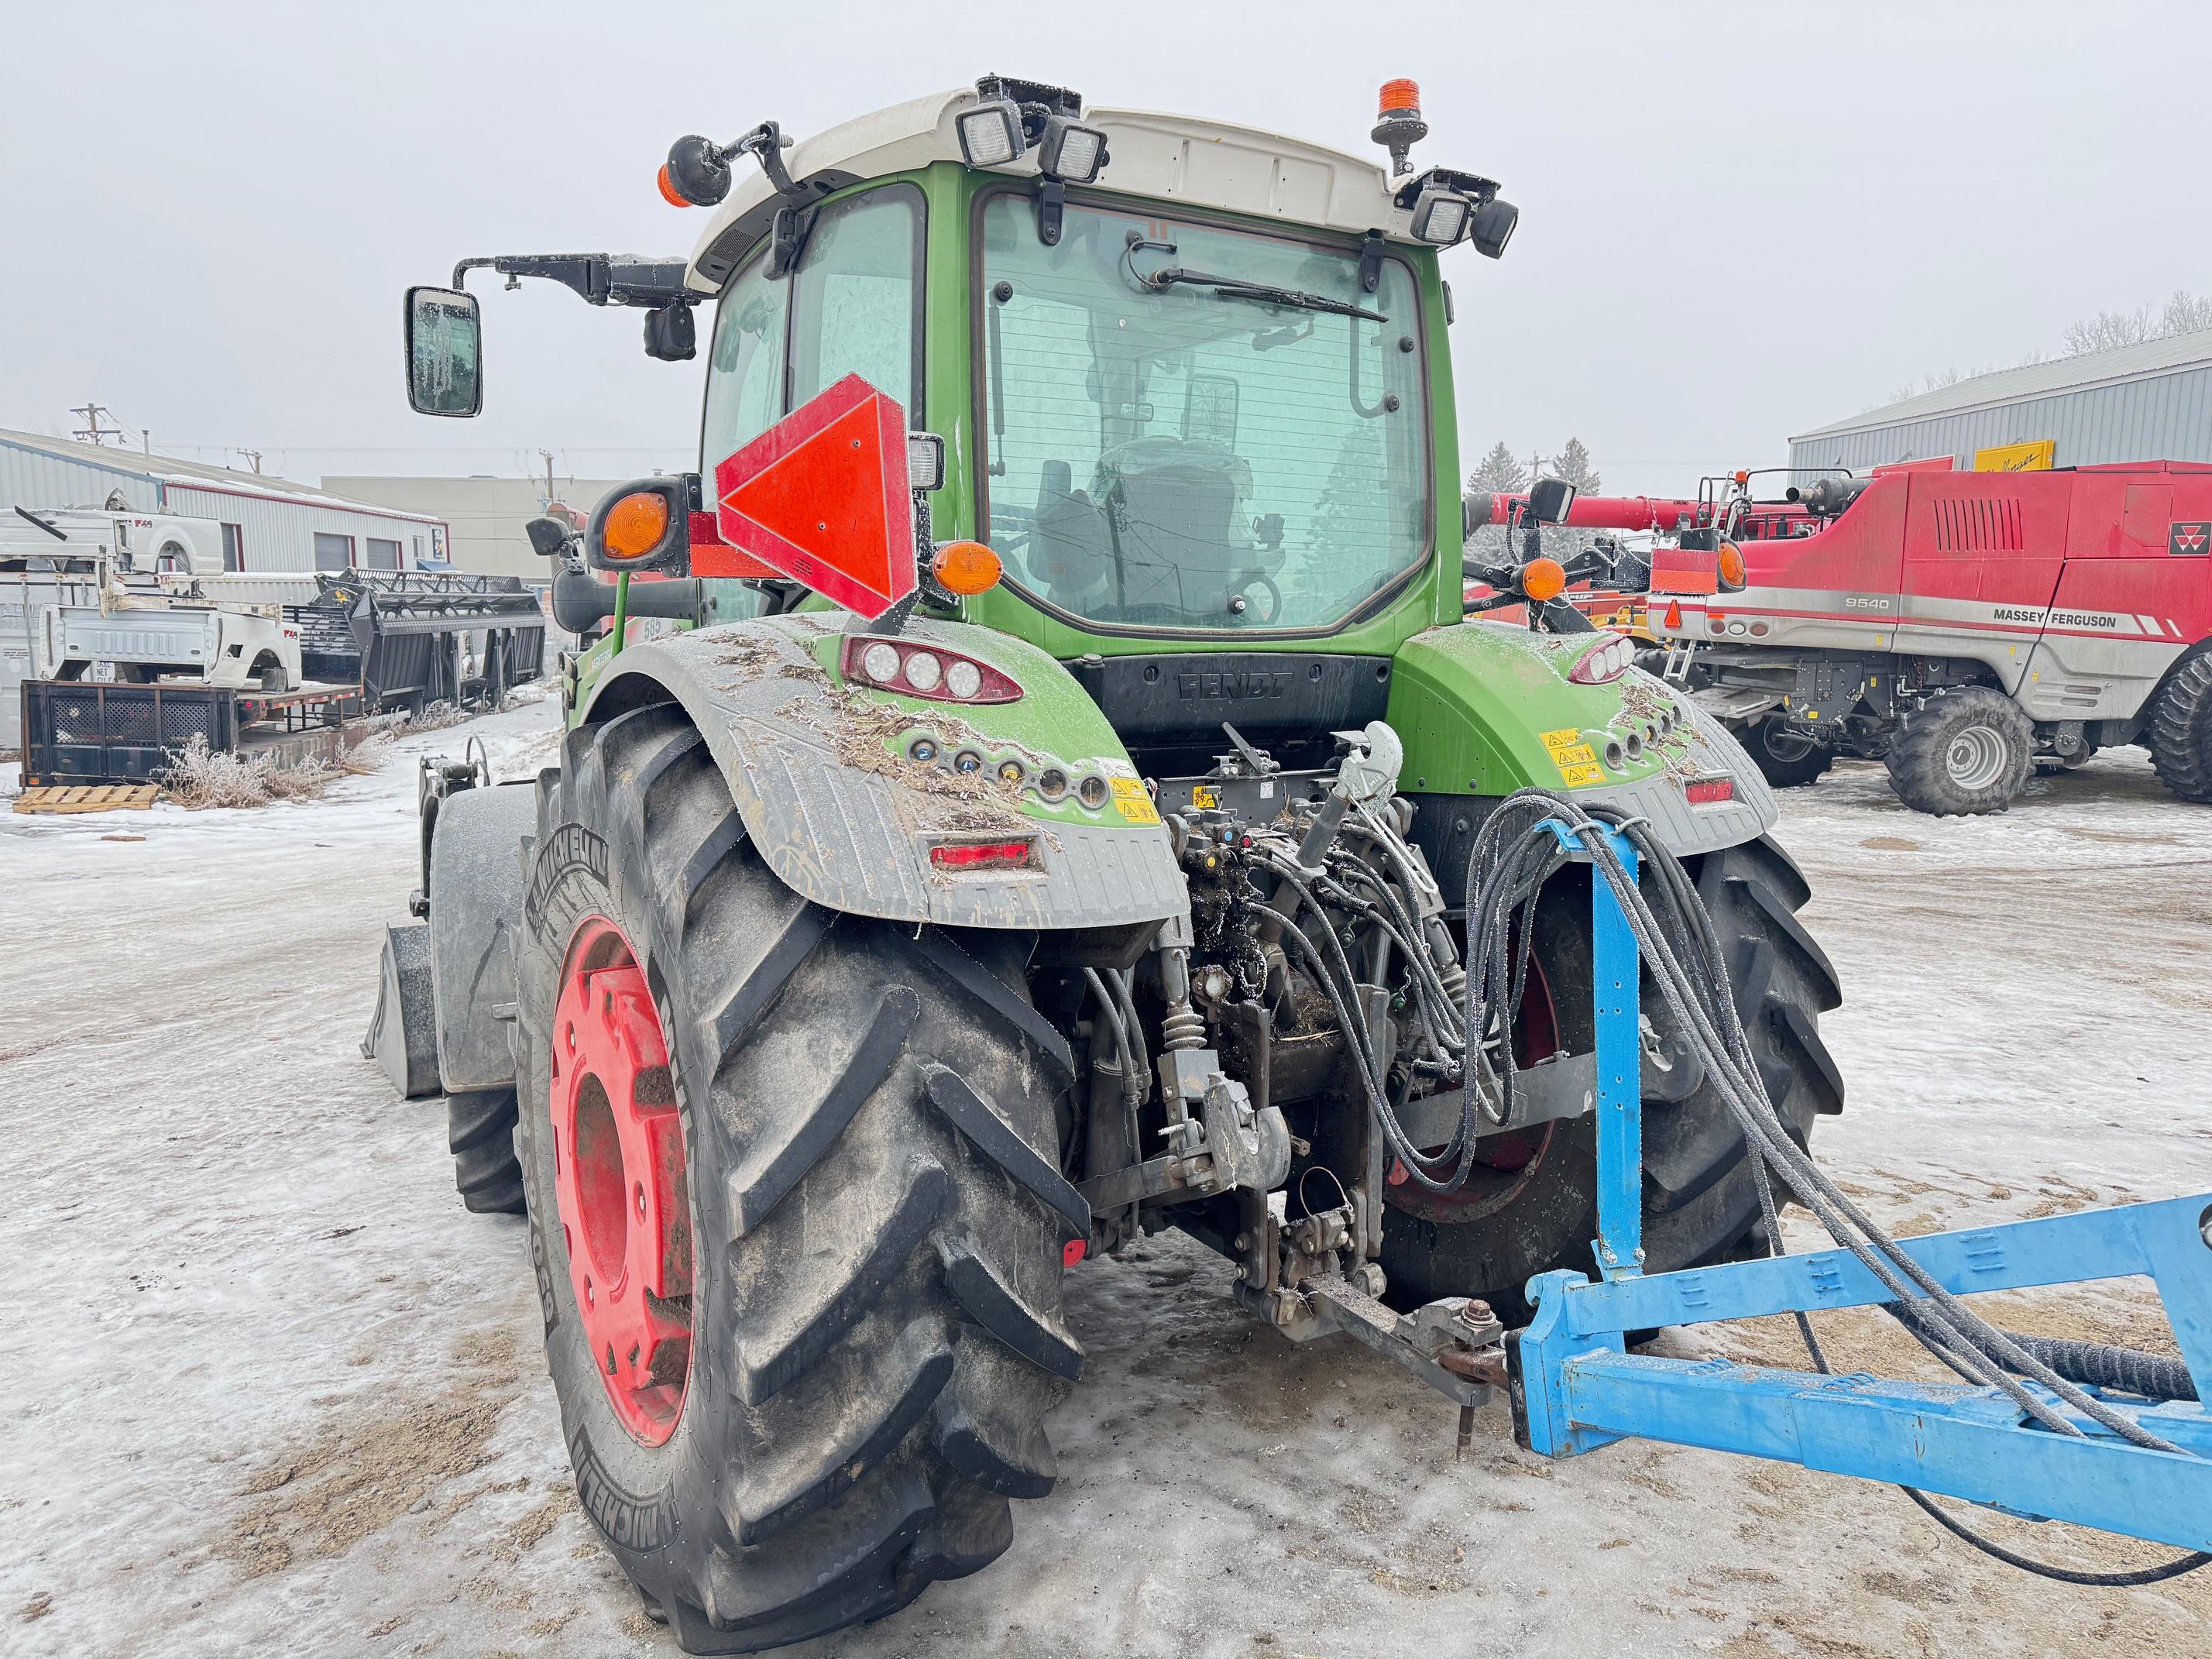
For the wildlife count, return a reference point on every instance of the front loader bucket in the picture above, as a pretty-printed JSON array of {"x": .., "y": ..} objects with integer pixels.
[{"x": 402, "y": 1033}]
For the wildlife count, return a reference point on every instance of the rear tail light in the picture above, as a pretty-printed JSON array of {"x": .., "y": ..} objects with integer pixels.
[
  {"x": 1709, "y": 792},
  {"x": 975, "y": 856},
  {"x": 1606, "y": 662},
  {"x": 914, "y": 669}
]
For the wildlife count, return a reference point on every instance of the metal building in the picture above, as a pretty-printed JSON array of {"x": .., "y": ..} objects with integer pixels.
[
  {"x": 2151, "y": 401},
  {"x": 267, "y": 523},
  {"x": 486, "y": 515}
]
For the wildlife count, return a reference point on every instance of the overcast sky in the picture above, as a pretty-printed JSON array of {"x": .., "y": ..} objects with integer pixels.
[{"x": 1738, "y": 220}]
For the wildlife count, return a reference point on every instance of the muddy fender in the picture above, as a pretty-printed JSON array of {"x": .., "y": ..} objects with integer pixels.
[
  {"x": 476, "y": 904},
  {"x": 820, "y": 773}
]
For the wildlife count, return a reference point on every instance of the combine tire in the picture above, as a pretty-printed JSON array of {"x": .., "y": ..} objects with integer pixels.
[
  {"x": 1530, "y": 1206},
  {"x": 796, "y": 1212},
  {"x": 2181, "y": 730},
  {"x": 1969, "y": 751},
  {"x": 1784, "y": 759},
  {"x": 480, "y": 1130}
]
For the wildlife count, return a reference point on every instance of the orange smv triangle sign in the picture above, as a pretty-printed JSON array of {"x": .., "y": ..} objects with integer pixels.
[{"x": 822, "y": 496}]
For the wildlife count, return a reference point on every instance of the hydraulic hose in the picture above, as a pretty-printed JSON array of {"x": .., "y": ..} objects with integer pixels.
[{"x": 1503, "y": 879}]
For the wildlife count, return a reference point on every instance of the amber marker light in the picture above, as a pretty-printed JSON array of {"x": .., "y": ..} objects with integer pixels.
[
  {"x": 635, "y": 525},
  {"x": 1543, "y": 579},
  {"x": 964, "y": 567},
  {"x": 668, "y": 193},
  {"x": 1728, "y": 566}
]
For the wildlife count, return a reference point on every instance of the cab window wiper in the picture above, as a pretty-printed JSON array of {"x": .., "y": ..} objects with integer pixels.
[{"x": 1236, "y": 288}]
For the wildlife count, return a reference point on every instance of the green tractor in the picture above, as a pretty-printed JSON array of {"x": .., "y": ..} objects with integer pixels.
[{"x": 1016, "y": 796}]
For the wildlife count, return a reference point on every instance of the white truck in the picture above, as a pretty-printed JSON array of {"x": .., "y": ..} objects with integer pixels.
[{"x": 108, "y": 595}]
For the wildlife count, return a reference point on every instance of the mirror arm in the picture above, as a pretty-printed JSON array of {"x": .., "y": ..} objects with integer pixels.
[{"x": 598, "y": 279}]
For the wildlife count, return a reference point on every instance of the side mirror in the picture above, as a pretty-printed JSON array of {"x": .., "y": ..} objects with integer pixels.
[
  {"x": 548, "y": 538},
  {"x": 1550, "y": 500},
  {"x": 645, "y": 526},
  {"x": 444, "y": 371}
]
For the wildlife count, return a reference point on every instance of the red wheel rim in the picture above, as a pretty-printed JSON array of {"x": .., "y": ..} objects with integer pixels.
[
  {"x": 618, "y": 1180},
  {"x": 1503, "y": 1164}
]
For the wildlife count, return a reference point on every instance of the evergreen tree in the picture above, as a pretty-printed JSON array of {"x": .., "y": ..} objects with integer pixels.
[
  {"x": 1350, "y": 526},
  {"x": 1573, "y": 465},
  {"x": 1498, "y": 473}
]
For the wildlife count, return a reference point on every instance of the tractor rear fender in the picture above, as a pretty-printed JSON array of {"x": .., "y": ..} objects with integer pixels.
[
  {"x": 823, "y": 776},
  {"x": 1486, "y": 709}
]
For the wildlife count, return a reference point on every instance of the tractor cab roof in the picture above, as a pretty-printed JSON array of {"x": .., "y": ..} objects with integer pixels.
[{"x": 1173, "y": 158}]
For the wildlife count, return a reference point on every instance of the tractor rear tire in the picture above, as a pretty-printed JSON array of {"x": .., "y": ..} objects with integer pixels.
[
  {"x": 1792, "y": 767},
  {"x": 877, "y": 1231},
  {"x": 1969, "y": 751},
  {"x": 480, "y": 1132},
  {"x": 2181, "y": 730},
  {"x": 1700, "y": 1201}
]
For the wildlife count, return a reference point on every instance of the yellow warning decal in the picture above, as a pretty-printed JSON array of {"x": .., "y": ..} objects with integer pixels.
[
  {"x": 1202, "y": 796},
  {"x": 1577, "y": 759},
  {"x": 1133, "y": 802}
]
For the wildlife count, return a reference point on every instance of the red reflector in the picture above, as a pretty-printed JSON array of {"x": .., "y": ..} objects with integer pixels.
[
  {"x": 1709, "y": 792},
  {"x": 1674, "y": 616},
  {"x": 1071, "y": 1252},
  {"x": 983, "y": 856}
]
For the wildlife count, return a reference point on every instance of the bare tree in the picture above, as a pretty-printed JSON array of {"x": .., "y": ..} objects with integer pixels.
[
  {"x": 2109, "y": 330},
  {"x": 2185, "y": 314},
  {"x": 1497, "y": 473}
]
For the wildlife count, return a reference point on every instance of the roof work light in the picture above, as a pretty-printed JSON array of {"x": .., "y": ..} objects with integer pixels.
[
  {"x": 1439, "y": 216},
  {"x": 1072, "y": 152},
  {"x": 991, "y": 133}
]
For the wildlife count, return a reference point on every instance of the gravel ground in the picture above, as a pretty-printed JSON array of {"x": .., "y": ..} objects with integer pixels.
[{"x": 274, "y": 1391}]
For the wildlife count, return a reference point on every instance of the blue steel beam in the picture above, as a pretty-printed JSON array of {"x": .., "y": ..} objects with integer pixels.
[
  {"x": 1615, "y": 963},
  {"x": 1575, "y": 1388},
  {"x": 2163, "y": 1240},
  {"x": 1965, "y": 1442}
]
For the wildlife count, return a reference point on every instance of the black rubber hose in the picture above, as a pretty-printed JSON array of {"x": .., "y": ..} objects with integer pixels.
[{"x": 2131, "y": 1370}]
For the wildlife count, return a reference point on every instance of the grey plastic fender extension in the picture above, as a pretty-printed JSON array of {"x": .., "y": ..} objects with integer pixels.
[
  {"x": 402, "y": 1035},
  {"x": 1681, "y": 827},
  {"x": 476, "y": 904},
  {"x": 854, "y": 837}
]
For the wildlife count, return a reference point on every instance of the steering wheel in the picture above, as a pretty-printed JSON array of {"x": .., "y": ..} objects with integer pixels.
[{"x": 1238, "y": 605}]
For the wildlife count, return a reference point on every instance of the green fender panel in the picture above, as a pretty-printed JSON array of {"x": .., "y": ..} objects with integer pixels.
[
  {"x": 1485, "y": 708},
  {"x": 820, "y": 771}
]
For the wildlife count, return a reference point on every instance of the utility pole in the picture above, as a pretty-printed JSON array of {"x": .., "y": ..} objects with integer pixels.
[
  {"x": 92, "y": 429},
  {"x": 146, "y": 439},
  {"x": 253, "y": 455},
  {"x": 549, "y": 497}
]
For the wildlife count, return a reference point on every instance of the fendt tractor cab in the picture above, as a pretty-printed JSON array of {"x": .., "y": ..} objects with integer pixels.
[{"x": 1039, "y": 811}]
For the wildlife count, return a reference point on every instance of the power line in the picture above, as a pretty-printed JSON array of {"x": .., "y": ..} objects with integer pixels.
[{"x": 91, "y": 431}]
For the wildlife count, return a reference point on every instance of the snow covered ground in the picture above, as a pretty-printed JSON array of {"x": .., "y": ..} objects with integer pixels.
[{"x": 271, "y": 1390}]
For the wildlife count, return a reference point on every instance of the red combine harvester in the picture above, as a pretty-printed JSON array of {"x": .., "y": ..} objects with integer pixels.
[{"x": 1964, "y": 627}]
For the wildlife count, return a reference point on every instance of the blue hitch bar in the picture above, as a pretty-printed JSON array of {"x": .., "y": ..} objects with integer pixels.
[{"x": 1575, "y": 1387}]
